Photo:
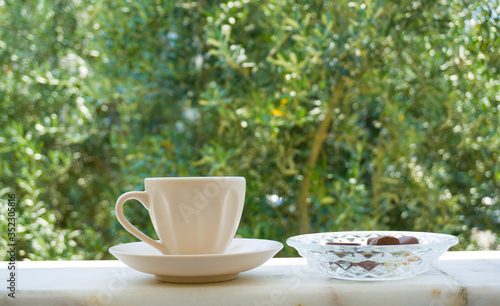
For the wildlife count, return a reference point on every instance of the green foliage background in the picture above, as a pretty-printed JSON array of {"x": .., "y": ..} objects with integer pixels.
[{"x": 342, "y": 115}]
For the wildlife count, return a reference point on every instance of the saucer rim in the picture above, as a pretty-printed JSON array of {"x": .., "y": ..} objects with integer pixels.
[{"x": 277, "y": 246}]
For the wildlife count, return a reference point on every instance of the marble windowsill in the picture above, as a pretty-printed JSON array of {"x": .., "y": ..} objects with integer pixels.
[{"x": 461, "y": 278}]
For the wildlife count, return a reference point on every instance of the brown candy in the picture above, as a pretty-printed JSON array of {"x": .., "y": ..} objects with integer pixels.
[
  {"x": 385, "y": 240},
  {"x": 408, "y": 240},
  {"x": 390, "y": 240},
  {"x": 367, "y": 265}
]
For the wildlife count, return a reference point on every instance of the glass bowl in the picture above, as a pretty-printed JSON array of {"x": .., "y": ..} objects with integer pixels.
[{"x": 371, "y": 262}]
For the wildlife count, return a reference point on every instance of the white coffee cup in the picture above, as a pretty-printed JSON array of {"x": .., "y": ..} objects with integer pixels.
[{"x": 191, "y": 215}]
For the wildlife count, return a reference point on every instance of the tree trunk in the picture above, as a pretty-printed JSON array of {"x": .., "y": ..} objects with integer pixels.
[{"x": 319, "y": 138}]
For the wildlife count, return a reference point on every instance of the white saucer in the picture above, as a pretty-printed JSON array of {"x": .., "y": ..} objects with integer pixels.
[{"x": 242, "y": 255}]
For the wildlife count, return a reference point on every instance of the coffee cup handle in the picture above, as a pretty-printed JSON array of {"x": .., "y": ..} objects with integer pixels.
[{"x": 142, "y": 197}]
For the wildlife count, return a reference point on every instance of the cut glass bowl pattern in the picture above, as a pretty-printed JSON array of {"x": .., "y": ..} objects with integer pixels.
[{"x": 371, "y": 262}]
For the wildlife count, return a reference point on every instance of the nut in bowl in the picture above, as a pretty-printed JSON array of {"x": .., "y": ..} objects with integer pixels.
[{"x": 351, "y": 256}]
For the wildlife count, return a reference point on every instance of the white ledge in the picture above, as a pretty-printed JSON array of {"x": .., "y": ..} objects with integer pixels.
[{"x": 461, "y": 278}]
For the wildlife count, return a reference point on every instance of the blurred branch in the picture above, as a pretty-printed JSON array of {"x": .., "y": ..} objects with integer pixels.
[
  {"x": 321, "y": 134},
  {"x": 280, "y": 43}
]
